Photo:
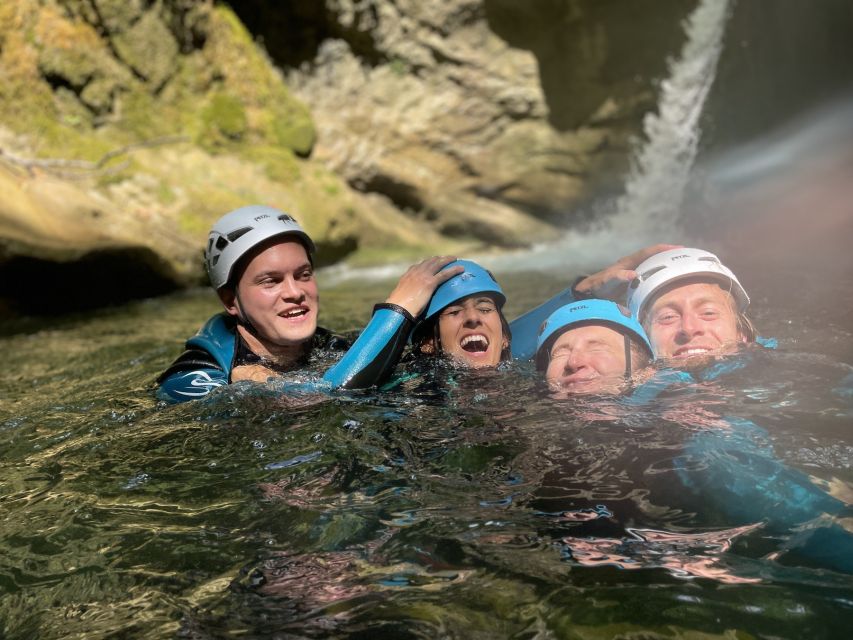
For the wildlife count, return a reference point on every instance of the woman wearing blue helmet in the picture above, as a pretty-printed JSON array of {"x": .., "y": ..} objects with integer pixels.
[
  {"x": 464, "y": 319},
  {"x": 591, "y": 346}
]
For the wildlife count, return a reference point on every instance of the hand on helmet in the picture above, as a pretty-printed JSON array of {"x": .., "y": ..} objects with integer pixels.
[
  {"x": 416, "y": 286},
  {"x": 611, "y": 283}
]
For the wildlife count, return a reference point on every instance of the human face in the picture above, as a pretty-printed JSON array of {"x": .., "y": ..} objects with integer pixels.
[
  {"x": 471, "y": 331},
  {"x": 277, "y": 294},
  {"x": 587, "y": 359},
  {"x": 695, "y": 320}
]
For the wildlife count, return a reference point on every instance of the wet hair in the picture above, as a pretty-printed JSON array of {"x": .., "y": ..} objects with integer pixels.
[{"x": 746, "y": 327}]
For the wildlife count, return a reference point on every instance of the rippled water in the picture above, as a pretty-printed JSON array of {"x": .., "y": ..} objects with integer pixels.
[{"x": 458, "y": 505}]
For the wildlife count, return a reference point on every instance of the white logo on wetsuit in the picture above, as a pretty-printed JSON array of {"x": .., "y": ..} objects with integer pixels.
[{"x": 203, "y": 380}]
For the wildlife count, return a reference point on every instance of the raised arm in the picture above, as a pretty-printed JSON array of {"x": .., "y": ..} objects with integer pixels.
[
  {"x": 610, "y": 283},
  {"x": 375, "y": 353}
]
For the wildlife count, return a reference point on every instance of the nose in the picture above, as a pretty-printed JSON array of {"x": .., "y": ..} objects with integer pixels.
[
  {"x": 471, "y": 317},
  {"x": 690, "y": 326},
  {"x": 575, "y": 362},
  {"x": 290, "y": 290}
]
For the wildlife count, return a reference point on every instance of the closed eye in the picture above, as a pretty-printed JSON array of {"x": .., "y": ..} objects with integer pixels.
[{"x": 666, "y": 317}]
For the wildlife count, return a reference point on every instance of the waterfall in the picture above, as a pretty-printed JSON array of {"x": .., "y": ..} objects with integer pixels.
[
  {"x": 648, "y": 212},
  {"x": 660, "y": 172}
]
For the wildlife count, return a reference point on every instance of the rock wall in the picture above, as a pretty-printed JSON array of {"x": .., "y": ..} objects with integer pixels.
[
  {"x": 441, "y": 106},
  {"x": 388, "y": 127},
  {"x": 127, "y": 128}
]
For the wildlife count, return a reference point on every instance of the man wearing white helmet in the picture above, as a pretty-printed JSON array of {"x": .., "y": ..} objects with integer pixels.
[
  {"x": 690, "y": 304},
  {"x": 260, "y": 263}
]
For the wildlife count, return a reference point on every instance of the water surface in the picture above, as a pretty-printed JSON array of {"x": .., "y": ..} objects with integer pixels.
[{"x": 458, "y": 506}]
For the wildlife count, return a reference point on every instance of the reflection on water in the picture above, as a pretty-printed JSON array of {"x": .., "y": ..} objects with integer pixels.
[{"x": 444, "y": 507}]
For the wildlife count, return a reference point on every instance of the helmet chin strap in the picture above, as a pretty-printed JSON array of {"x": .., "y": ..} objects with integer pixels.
[
  {"x": 627, "y": 356},
  {"x": 242, "y": 318}
]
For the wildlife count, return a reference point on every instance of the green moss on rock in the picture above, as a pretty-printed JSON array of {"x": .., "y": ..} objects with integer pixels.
[
  {"x": 295, "y": 131},
  {"x": 224, "y": 122},
  {"x": 279, "y": 164},
  {"x": 149, "y": 48}
]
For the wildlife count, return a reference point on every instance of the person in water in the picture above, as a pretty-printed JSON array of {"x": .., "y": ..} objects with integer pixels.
[
  {"x": 609, "y": 283},
  {"x": 464, "y": 320},
  {"x": 591, "y": 346},
  {"x": 261, "y": 264},
  {"x": 691, "y": 306}
]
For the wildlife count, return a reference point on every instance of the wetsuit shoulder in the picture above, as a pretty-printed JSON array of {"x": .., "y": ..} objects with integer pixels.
[
  {"x": 525, "y": 328},
  {"x": 218, "y": 337},
  {"x": 204, "y": 365}
]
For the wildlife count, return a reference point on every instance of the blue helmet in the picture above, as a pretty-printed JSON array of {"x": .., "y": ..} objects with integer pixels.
[
  {"x": 473, "y": 280},
  {"x": 586, "y": 311}
]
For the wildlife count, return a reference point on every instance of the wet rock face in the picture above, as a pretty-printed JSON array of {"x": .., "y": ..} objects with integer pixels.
[
  {"x": 434, "y": 126},
  {"x": 491, "y": 119}
]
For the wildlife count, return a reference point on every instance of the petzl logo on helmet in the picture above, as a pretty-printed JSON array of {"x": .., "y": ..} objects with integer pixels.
[
  {"x": 679, "y": 257},
  {"x": 578, "y": 308},
  {"x": 261, "y": 217}
]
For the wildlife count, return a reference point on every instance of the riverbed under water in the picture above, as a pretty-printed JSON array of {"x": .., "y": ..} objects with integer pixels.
[{"x": 477, "y": 508}]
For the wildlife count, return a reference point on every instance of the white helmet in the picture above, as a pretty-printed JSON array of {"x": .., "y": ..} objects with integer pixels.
[
  {"x": 676, "y": 264},
  {"x": 237, "y": 232}
]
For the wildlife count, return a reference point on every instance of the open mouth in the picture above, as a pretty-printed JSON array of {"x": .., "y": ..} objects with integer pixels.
[
  {"x": 688, "y": 352},
  {"x": 296, "y": 312},
  {"x": 476, "y": 343}
]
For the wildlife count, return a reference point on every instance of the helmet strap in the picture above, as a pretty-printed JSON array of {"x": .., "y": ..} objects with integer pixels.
[
  {"x": 242, "y": 319},
  {"x": 627, "y": 356}
]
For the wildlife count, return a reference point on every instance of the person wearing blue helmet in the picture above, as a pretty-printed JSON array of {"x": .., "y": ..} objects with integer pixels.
[
  {"x": 464, "y": 320},
  {"x": 591, "y": 346}
]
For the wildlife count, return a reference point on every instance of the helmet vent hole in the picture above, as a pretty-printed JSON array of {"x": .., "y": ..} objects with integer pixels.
[
  {"x": 648, "y": 274},
  {"x": 238, "y": 233},
  {"x": 708, "y": 259},
  {"x": 286, "y": 218},
  {"x": 214, "y": 260},
  {"x": 221, "y": 242}
]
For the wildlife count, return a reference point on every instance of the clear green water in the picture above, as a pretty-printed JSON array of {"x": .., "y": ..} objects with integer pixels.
[{"x": 424, "y": 512}]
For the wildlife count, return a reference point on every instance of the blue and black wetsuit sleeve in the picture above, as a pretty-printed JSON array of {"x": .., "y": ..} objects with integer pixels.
[
  {"x": 193, "y": 375},
  {"x": 525, "y": 328},
  {"x": 204, "y": 366},
  {"x": 375, "y": 353}
]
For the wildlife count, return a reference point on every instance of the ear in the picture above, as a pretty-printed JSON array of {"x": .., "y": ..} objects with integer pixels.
[
  {"x": 427, "y": 346},
  {"x": 229, "y": 301}
]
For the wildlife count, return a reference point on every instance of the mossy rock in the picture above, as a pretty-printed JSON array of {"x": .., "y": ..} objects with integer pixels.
[
  {"x": 296, "y": 131},
  {"x": 223, "y": 122},
  {"x": 149, "y": 48}
]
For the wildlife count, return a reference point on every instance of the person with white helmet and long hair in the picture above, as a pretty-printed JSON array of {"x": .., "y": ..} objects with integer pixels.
[
  {"x": 260, "y": 262},
  {"x": 691, "y": 305}
]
